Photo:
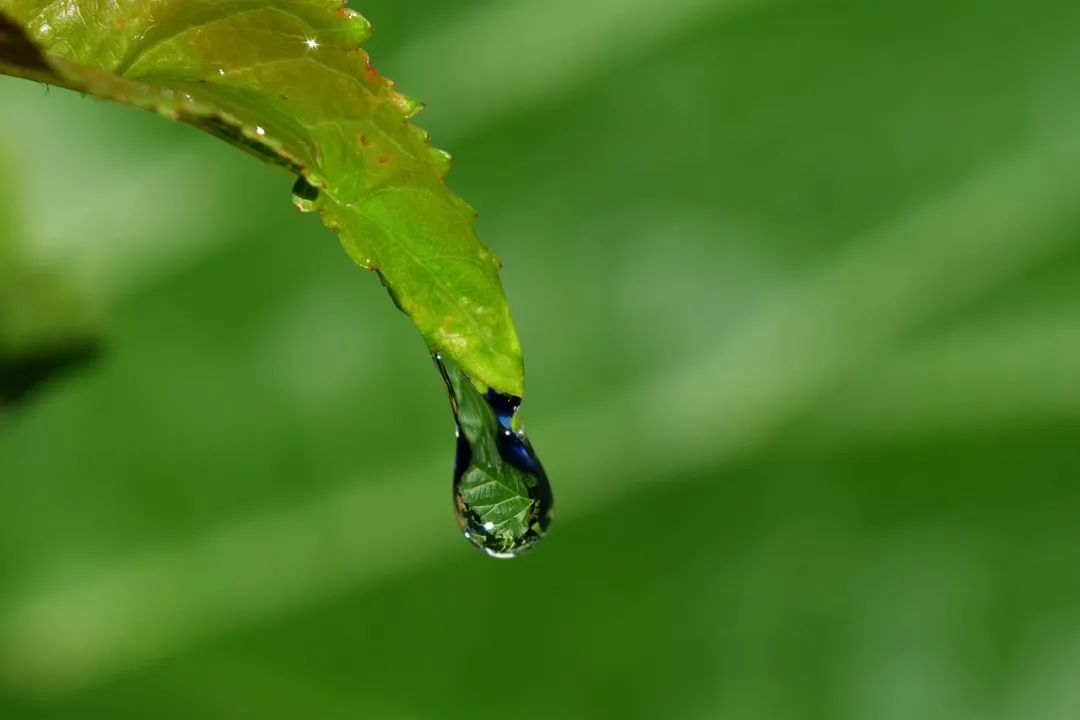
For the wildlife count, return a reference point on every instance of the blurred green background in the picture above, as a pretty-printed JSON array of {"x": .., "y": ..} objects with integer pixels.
[{"x": 799, "y": 286}]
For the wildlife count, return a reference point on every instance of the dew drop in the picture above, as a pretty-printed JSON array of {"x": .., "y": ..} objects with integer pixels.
[
  {"x": 305, "y": 195},
  {"x": 502, "y": 496}
]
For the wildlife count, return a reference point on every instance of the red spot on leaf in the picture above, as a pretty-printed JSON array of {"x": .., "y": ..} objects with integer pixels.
[
  {"x": 369, "y": 68},
  {"x": 383, "y": 159}
]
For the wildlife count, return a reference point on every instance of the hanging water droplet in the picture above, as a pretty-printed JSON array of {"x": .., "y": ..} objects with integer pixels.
[
  {"x": 501, "y": 494},
  {"x": 305, "y": 195}
]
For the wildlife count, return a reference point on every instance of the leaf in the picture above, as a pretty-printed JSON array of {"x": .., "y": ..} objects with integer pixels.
[
  {"x": 500, "y": 502},
  {"x": 45, "y": 329},
  {"x": 287, "y": 81}
]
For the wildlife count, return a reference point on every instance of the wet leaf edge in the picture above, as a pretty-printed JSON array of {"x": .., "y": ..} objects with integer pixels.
[{"x": 21, "y": 57}]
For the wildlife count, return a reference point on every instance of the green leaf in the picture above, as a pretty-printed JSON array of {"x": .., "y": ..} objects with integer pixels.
[
  {"x": 288, "y": 81},
  {"x": 44, "y": 328},
  {"x": 44, "y": 331},
  {"x": 500, "y": 501}
]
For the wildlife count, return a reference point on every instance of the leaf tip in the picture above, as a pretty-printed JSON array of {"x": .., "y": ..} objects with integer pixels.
[
  {"x": 358, "y": 29},
  {"x": 410, "y": 106}
]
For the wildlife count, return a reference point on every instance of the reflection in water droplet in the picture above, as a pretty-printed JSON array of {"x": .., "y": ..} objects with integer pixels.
[
  {"x": 501, "y": 494},
  {"x": 305, "y": 195}
]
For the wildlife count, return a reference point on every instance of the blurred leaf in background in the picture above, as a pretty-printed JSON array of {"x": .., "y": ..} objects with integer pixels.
[
  {"x": 45, "y": 329},
  {"x": 799, "y": 286}
]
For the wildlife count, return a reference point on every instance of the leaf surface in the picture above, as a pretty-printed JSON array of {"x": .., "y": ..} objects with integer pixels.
[{"x": 287, "y": 80}]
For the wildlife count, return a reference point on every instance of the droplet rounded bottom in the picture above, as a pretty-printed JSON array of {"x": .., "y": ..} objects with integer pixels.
[{"x": 502, "y": 497}]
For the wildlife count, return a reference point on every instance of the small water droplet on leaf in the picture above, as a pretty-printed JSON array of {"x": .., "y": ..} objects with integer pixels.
[{"x": 305, "y": 195}]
